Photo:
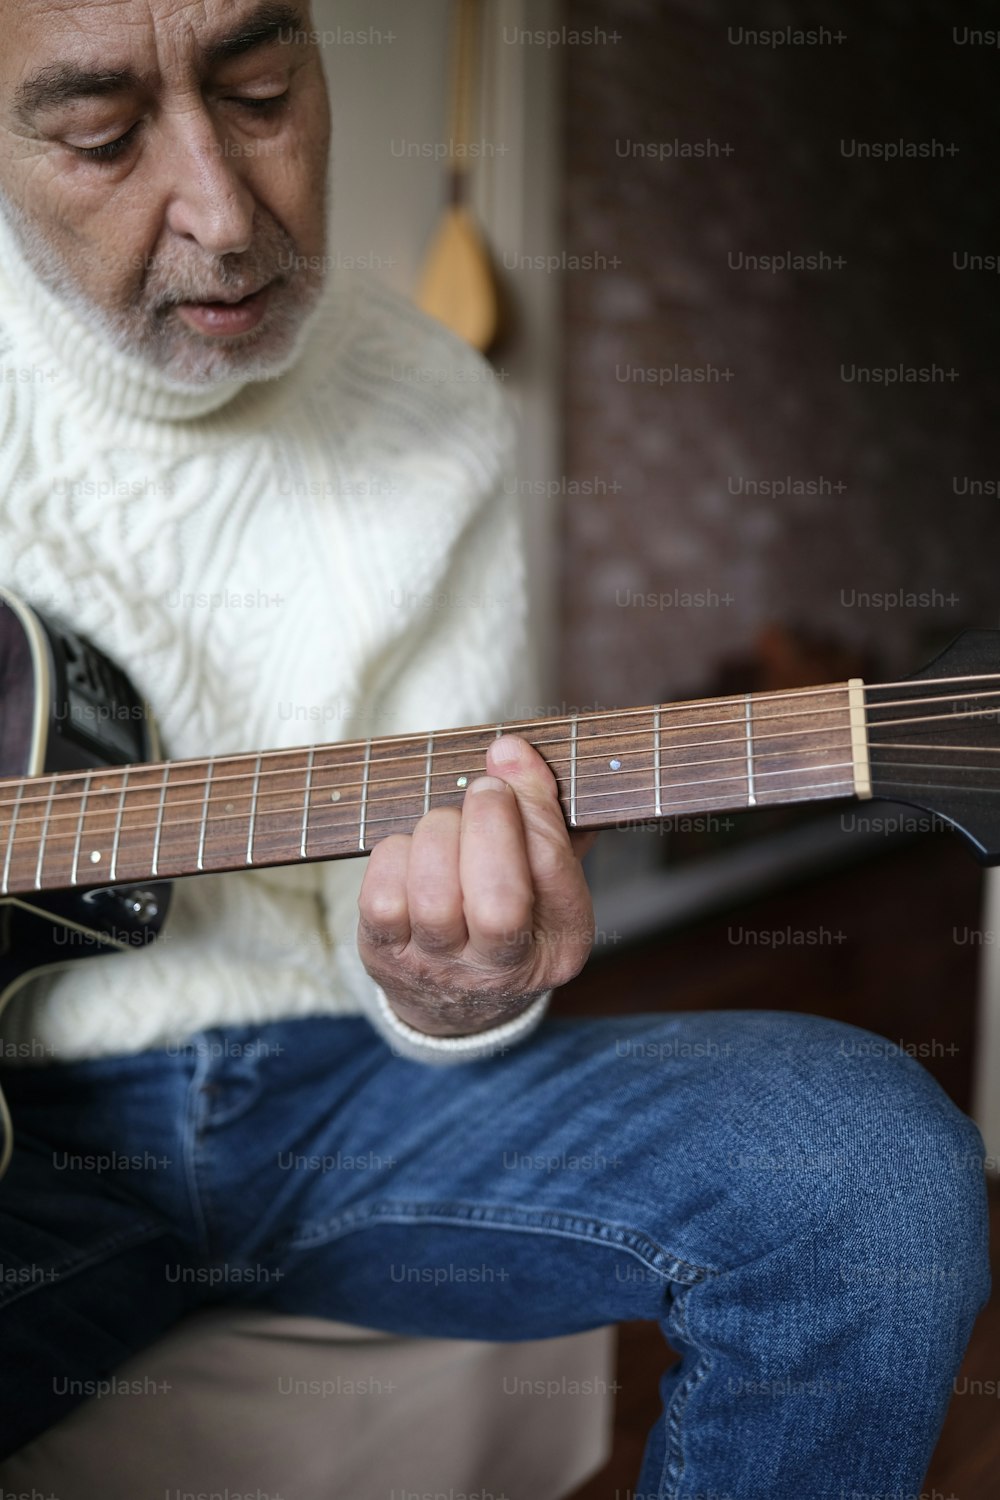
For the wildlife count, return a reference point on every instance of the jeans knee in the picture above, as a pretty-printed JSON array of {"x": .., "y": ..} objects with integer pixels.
[{"x": 909, "y": 1204}]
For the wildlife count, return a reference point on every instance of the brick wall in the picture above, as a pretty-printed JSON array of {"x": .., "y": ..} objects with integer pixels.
[{"x": 674, "y": 464}]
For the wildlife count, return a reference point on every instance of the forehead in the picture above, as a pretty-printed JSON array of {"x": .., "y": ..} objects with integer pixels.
[{"x": 38, "y": 32}]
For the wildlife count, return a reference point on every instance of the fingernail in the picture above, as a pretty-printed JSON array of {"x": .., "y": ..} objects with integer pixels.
[
  {"x": 488, "y": 784},
  {"x": 505, "y": 750}
]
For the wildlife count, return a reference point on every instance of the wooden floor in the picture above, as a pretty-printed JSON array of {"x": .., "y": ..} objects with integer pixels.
[{"x": 904, "y": 972}]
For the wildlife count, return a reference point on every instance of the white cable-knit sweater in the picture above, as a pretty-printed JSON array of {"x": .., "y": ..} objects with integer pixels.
[{"x": 326, "y": 556}]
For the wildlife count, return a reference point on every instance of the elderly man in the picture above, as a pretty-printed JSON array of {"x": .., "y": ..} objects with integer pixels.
[{"x": 197, "y": 415}]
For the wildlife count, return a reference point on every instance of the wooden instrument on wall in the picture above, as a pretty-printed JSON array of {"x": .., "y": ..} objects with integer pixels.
[{"x": 94, "y": 826}]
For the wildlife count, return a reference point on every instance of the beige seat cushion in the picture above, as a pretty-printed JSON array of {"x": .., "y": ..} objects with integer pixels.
[{"x": 235, "y": 1404}]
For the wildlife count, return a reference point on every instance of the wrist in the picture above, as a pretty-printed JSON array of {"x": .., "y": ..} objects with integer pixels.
[
  {"x": 453, "y": 1018},
  {"x": 409, "y": 1042}
]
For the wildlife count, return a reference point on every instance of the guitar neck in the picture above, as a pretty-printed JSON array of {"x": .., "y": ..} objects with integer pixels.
[{"x": 139, "y": 823}]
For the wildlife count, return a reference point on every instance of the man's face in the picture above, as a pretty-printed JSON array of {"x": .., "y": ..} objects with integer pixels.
[{"x": 161, "y": 158}]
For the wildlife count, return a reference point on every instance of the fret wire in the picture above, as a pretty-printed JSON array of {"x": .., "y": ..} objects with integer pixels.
[
  {"x": 719, "y": 801},
  {"x": 656, "y": 761},
  {"x": 722, "y": 798},
  {"x": 180, "y": 765},
  {"x": 427, "y": 773},
  {"x": 202, "y": 832},
  {"x": 872, "y": 723},
  {"x": 10, "y": 836},
  {"x": 45, "y": 833},
  {"x": 736, "y": 779},
  {"x": 159, "y": 818},
  {"x": 364, "y": 795},
  {"x": 305, "y": 805},
  {"x": 555, "y": 761},
  {"x": 118, "y": 828},
  {"x": 586, "y": 776},
  {"x": 736, "y": 799},
  {"x": 253, "y": 810},
  {"x": 79, "y": 826},
  {"x": 688, "y": 706}
]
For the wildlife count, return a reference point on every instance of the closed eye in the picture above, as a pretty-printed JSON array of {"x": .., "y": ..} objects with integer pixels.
[
  {"x": 110, "y": 151},
  {"x": 260, "y": 106}
]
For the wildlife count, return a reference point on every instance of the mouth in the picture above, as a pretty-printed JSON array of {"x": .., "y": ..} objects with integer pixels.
[{"x": 225, "y": 317}]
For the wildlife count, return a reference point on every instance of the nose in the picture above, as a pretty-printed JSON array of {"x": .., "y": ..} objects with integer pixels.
[{"x": 208, "y": 200}]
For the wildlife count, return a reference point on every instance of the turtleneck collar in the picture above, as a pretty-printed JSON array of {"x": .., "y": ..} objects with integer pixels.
[{"x": 102, "y": 382}]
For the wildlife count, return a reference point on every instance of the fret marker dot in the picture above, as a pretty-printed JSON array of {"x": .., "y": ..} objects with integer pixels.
[
  {"x": 615, "y": 765},
  {"x": 462, "y": 781},
  {"x": 334, "y": 796},
  {"x": 95, "y": 857},
  {"x": 229, "y": 807}
]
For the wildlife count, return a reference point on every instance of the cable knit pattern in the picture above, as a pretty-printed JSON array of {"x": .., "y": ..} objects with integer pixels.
[{"x": 321, "y": 557}]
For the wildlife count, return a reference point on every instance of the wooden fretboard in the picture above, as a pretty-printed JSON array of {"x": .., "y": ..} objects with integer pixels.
[{"x": 160, "y": 821}]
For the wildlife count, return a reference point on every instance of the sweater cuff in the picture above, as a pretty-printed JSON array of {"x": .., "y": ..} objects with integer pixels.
[{"x": 419, "y": 1046}]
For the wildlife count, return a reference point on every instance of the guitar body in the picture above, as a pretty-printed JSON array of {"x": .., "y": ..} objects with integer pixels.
[{"x": 65, "y": 707}]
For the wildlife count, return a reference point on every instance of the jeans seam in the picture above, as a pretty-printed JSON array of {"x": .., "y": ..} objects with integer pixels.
[
  {"x": 573, "y": 1226},
  {"x": 672, "y": 1472},
  {"x": 126, "y": 1239},
  {"x": 193, "y": 1156}
]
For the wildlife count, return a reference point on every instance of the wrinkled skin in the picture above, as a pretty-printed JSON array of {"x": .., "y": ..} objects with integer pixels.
[
  {"x": 210, "y": 180},
  {"x": 207, "y": 179}
]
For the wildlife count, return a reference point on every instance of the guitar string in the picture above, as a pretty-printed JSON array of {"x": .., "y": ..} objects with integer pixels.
[
  {"x": 320, "y": 788},
  {"x": 95, "y": 811},
  {"x": 342, "y": 786},
  {"x": 524, "y": 725},
  {"x": 442, "y": 751},
  {"x": 719, "y": 802},
  {"x": 479, "y": 730},
  {"x": 677, "y": 805},
  {"x": 50, "y": 882}
]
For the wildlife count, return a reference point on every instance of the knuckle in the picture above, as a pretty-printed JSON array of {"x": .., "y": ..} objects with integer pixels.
[
  {"x": 512, "y": 929},
  {"x": 437, "y": 936},
  {"x": 508, "y": 950},
  {"x": 555, "y": 861},
  {"x": 381, "y": 909},
  {"x": 505, "y": 915},
  {"x": 434, "y": 909}
]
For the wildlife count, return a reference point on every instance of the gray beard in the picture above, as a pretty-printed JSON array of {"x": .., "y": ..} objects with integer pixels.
[{"x": 216, "y": 367}]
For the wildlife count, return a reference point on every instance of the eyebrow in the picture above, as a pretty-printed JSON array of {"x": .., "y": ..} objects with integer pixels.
[{"x": 61, "y": 83}]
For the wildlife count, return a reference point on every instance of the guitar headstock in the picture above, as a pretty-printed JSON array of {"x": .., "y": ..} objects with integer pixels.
[{"x": 934, "y": 739}]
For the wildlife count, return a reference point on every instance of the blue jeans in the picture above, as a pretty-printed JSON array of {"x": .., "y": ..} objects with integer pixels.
[{"x": 799, "y": 1207}]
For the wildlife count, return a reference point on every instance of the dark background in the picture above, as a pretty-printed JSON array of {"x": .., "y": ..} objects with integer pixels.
[
  {"x": 677, "y": 451},
  {"x": 672, "y": 514}
]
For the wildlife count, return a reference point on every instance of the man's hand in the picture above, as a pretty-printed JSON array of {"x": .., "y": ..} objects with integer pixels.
[{"x": 482, "y": 908}]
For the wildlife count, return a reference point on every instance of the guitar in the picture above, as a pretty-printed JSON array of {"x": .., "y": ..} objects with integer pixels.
[{"x": 94, "y": 825}]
